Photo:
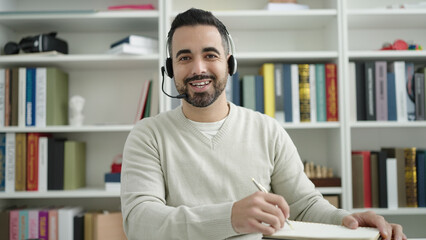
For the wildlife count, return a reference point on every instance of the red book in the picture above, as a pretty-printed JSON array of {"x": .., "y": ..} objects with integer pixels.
[
  {"x": 331, "y": 92},
  {"x": 366, "y": 176}
]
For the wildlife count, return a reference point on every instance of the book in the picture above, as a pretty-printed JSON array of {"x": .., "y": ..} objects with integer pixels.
[
  {"x": 40, "y": 97},
  {"x": 74, "y": 165},
  {"x": 20, "y": 161},
  {"x": 108, "y": 226},
  {"x": 236, "y": 89},
  {"x": 2, "y": 162},
  {"x": 362, "y": 169},
  {"x": 33, "y": 224},
  {"x": 43, "y": 220},
  {"x": 32, "y": 161},
  {"x": 392, "y": 183},
  {"x": 304, "y": 93},
  {"x": 383, "y": 192},
  {"x": 419, "y": 81},
  {"x": 147, "y": 109},
  {"x": 14, "y": 97},
  {"x": 10, "y": 162},
  {"x": 279, "y": 92},
  {"x": 132, "y": 7},
  {"x": 55, "y": 167},
  {"x": 392, "y": 112},
  {"x": 421, "y": 180},
  {"x": 410, "y": 177},
  {"x": 30, "y": 97},
  {"x": 136, "y": 40},
  {"x": 112, "y": 177},
  {"x": 288, "y": 105},
  {"x": 398, "y": 155},
  {"x": 22, "y": 88},
  {"x": 374, "y": 174},
  {"x": 285, "y": 6},
  {"x": 294, "y": 68},
  {"x": 370, "y": 91},
  {"x": 2, "y": 96},
  {"x": 142, "y": 100},
  {"x": 66, "y": 222},
  {"x": 23, "y": 224},
  {"x": 14, "y": 224},
  {"x": 267, "y": 71},
  {"x": 42, "y": 164},
  {"x": 57, "y": 97},
  {"x": 259, "y": 94},
  {"x": 309, "y": 230},
  {"x": 7, "y": 97},
  {"x": 53, "y": 224},
  {"x": 409, "y": 87},
  {"x": 331, "y": 92},
  {"x": 398, "y": 69},
  {"x": 5, "y": 225},
  {"x": 320, "y": 92},
  {"x": 78, "y": 224},
  {"x": 248, "y": 85},
  {"x": 126, "y": 48},
  {"x": 360, "y": 91},
  {"x": 381, "y": 91},
  {"x": 312, "y": 92}
]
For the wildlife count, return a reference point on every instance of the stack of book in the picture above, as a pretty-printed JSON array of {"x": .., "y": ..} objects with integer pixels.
[{"x": 134, "y": 44}]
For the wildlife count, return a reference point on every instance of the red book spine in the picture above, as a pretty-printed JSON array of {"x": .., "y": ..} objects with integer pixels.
[
  {"x": 331, "y": 92},
  {"x": 368, "y": 202},
  {"x": 32, "y": 161}
]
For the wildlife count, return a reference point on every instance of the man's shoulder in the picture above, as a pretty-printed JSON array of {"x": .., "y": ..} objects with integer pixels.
[{"x": 160, "y": 120}]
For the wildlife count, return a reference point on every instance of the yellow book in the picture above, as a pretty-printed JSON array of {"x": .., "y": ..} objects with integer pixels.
[
  {"x": 304, "y": 93},
  {"x": 267, "y": 71}
]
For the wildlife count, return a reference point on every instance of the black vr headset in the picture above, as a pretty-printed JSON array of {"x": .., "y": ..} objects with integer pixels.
[{"x": 39, "y": 43}]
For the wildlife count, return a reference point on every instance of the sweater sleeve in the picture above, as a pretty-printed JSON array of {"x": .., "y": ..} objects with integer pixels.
[
  {"x": 143, "y": 199},
  {"x": 289, "y": 180}
]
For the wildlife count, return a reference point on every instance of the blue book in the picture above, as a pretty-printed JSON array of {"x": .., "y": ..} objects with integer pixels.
[
  {"x": 30, "y": 91},
  {"x": 421, "y": 181},
  {"x": 392, "y": 115},
  {"x": 260, "y": 101},
  {"x": 112, "y": 177},
  {"x": 236, "y": 89},
  {"x": 23, "y": 223},
  {"x": 2, "y": 162},
  {"x": 288, "y": 103},
  {"x": 320, "y": 93}
]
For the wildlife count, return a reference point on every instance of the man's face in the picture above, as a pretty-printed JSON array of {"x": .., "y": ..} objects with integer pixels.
[{"x": 199, "y": 64}]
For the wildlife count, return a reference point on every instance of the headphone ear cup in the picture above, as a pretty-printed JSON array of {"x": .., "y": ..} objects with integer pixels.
[
  {"x": 169, "y": 68},
  {"x": 232, "y": 65},
  {"x": 11, "y": 48}
]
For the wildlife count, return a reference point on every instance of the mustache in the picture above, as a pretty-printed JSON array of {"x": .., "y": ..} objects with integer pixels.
[{"x": 199, "y": 77}]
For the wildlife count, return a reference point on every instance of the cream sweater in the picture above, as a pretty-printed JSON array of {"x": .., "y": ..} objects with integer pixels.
[{"x": 179, "y": 184}]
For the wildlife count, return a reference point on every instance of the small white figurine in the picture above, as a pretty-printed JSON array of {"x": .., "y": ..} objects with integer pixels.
[{"x": 76, "y": 105}]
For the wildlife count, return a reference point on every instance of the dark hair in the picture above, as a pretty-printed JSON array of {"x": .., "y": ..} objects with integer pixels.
[{"x": 193, "y": 17}]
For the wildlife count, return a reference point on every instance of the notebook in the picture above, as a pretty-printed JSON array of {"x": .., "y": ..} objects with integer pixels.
[{"x": 307, "y": 230}]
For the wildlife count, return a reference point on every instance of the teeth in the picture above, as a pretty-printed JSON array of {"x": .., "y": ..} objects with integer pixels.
[{"x": 200, "y": 83}]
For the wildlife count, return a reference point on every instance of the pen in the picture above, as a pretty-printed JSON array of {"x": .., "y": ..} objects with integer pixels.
[{"x": 263, "y": 189}]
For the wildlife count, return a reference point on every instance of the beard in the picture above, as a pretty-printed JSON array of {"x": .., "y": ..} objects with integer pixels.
[{"x": 203, "y": 99}]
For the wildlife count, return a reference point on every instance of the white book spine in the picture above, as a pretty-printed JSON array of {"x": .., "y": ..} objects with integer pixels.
[
  {"x": 33, "y": 224},
  {"x": 40, "y": 120},
  {"x": 42, "y": 164},
  {"x": 143, "y": 41},
  {"x": 401, "y": 93},
  {"x": 21, "y": 96},
  {"x": 313, "y": 92},
  {"x": 10, "y": 163},
  {"x": 392, "y": 183},
  {"x": 295, "y": 92},
  {"x": 2, "y": 96}
]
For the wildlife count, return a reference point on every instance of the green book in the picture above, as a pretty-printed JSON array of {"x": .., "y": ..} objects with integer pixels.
[
  {"x": 57, "y": 97},
  {"x": 320, "y": 92},
  {"x": 74, "y": 165},
  {"x": 147, "y": 111},
  {"x": 249, "y": 94}
]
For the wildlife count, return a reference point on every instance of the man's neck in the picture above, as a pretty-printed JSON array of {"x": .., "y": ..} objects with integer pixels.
[{"x": 213, "y": 113}]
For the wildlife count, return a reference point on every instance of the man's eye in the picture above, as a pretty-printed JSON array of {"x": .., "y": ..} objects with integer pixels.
[
  {"x": 185, "y": 58},
  {"x": 211, "y": 56}
]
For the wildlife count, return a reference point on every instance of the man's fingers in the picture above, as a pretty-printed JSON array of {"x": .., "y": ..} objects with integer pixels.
[{"x": 280, "y": 202}]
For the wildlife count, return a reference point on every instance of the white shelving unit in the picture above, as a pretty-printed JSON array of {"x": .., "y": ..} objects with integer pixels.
[
  {"x": 337, "y": 31},
  {"x": 365, "y": 18}
]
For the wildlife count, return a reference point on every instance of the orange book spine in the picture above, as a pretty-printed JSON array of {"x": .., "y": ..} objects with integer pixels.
[
  {"x": 32, "y": 161},
  {"x": 331, "y": 92}
]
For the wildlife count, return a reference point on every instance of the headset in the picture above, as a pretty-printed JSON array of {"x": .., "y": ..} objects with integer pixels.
[
  {"x": 168, "y": 65},
  {"x": 39, "y": 43}
]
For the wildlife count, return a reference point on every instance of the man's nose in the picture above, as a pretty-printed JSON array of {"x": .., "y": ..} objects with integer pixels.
[{"x": 199, "y": 66}]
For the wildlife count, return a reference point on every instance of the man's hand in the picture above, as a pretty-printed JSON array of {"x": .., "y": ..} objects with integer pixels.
[
  {"x": 370, "y": 219},
  {"x": 249, "y": 214}
]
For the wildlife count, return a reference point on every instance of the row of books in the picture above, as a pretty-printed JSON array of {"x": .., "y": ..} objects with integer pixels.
[
  {"x": 39, "y": 162},
  {"x": 388, "y": 91},
  {"x": 64, "y": 223},
  {"x": 134, "y": 44},
  {"x": 389, "y": 178},
  {"x": 289, "y": 92},
  {"x": 33, "y": 97},
  {"x": 148, "y": 104}
]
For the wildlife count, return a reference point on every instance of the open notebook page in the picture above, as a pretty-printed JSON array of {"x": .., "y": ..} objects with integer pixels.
[{"x": 306, "y": 230}]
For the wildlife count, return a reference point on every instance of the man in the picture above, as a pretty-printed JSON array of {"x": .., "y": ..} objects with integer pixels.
[{"x": 187, "y": 172}]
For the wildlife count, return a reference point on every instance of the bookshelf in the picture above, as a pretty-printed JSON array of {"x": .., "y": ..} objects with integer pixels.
[
  {"x": 382, "y": 25},
  {"x": 331, "y": 31},
  {"x": 110, "y": 84}
]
